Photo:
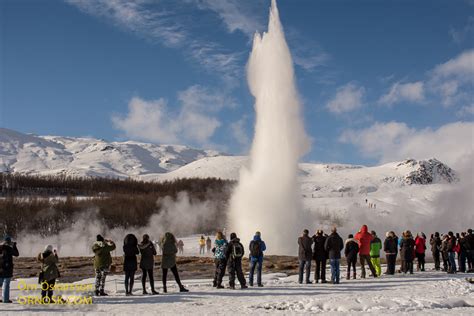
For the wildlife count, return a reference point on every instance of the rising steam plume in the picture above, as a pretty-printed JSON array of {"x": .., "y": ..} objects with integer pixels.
[{"x": 268, "y": 196}]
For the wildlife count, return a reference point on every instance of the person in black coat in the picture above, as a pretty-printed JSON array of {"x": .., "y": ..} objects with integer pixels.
[
  {"x": 333, "y": 245},
  {"x": 130, "y": 252},
  {"x": 235, "y": 252},
  {"x": 320, "y": 256},
  {"x": 435, "y": 242},
  {"x": 350, "y": 251},
  {"x": 390, "y": 247},
  {"x": 305, "y": 255},
  {"x": 469, "y": 238},
  {"x": 407, "y": 252},
  {"x": 8, "y": 250},
  {"x": 147, "y": 262}
]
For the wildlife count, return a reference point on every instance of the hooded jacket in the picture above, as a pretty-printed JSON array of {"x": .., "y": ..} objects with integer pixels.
[
  {"x": 304, "y": 248},
  {"x": 351, "y": 249},
  {"x": 102, "y": 258},
  {"x": 364, "y": 239},
  {"x": 375, "y": 247},
  {"x": 263, "y": 247},
  {"x": 230, "y": 249},
  {"x": 49, "y": 265},
  {"x": 8, "y": 250},
  {"x": 147, "y": 251},
  {"x": 170, "y": 249}
]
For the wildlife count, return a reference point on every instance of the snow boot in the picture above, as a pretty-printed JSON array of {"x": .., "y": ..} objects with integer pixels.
[{"x": 182, "y": 289}]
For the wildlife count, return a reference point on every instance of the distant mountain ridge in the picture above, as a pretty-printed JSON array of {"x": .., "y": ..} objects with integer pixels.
[{"x": 55, "y": 155}]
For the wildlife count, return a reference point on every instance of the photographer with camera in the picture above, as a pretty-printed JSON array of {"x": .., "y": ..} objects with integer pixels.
[{"x": 8, "y": 250}]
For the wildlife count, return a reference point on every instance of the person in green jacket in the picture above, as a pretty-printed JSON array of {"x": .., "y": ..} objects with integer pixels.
[
  {"x": 375, "y": 246},
  {"x": 49, "y": 272},
  {"x": 102, "y": 262}
]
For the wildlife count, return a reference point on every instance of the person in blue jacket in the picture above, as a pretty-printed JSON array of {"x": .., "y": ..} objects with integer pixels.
[{"x": 257, "y": 247}]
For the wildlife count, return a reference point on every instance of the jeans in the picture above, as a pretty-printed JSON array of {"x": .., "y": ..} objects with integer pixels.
[
  {"x": 258, "y": 264},
  {"x": 334, "y": 270},
  {"x": 452, "y": 262},
  {"x": 303, "y": 264},
  {"x": 5, "y": 284}
]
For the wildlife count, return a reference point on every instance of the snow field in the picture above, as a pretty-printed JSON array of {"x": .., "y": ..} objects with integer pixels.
[{"x": 424, "y": 293}]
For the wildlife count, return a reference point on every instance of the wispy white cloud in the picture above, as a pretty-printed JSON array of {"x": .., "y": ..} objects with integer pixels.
[
  {"x": 461, "y": 34},
  {"x": 148, "y": 20},
  {"x": 137, "y": 17},
  {"x": 467, "y": 110},
  {"x": 239, "y": 131},
  {"x": 453, "y": 80},
  {"x": 396, "y": 141},
  {"x": 348, "y": 98},
  {"x": 194, "y": 122},
  {"x": 235, "y": 14},
  {"x": 410, "y": 91}
]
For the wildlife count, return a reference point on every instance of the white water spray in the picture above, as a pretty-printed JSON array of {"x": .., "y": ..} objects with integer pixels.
[{"x": 268, "y": 196}]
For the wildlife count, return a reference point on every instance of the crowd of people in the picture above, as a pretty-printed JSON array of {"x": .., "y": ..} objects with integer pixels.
[
  {"x": 228, "y": 254},
  {"x": 368, "y": 246}
]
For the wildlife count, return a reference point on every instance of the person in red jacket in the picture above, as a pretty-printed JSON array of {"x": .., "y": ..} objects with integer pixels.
[
  {"x": 420, "y": 247},
  {"x": 364, "y": 238}
]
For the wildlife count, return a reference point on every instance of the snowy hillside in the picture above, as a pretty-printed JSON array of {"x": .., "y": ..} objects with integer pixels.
[{"x": 45, "y": 155}]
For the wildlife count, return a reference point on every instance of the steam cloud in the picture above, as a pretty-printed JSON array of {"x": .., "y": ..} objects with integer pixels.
[
  {"x": 267, "y": 197},
  {"x": 181, "y": 216}
]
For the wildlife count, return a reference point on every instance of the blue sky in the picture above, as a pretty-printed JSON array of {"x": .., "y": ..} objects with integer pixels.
[{"x": 379, "y": 80}]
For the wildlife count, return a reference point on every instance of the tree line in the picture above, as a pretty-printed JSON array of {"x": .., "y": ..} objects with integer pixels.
[{"x": 48, "y": 204}]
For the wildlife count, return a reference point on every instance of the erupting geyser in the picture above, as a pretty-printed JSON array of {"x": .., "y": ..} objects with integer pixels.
[{"x": 268, "y": 196}]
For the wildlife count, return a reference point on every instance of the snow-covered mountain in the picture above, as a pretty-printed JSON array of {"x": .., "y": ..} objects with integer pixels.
[
  {"x": 51, "y": 155},
  {"x": 412, "y": 190}
]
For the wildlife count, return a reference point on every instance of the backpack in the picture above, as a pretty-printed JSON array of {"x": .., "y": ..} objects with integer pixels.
[
  {"x": 255, "y": 249},
  {"x": 237, "y": 250}
]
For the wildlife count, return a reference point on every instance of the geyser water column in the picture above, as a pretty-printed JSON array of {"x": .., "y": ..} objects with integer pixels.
[{"x": 268, "y": 197}]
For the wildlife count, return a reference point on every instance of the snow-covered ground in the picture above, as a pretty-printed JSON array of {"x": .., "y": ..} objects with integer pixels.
[{"x": 426, "y": 293}]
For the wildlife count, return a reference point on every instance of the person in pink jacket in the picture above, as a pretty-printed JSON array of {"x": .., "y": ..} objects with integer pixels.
[{"x": 420, "y": 247}]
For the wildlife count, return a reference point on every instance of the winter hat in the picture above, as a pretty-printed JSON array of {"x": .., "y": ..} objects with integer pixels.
[
  {"x": 420, "y": 234},
  {"x": 373, "y": 233},
  {"x": 387, "y": 234},
  {"x": 258, "y": 234},
  {"x": 100, "y": 238},
  {"x": 48, "y": 248},
  {"x": 233, "y": 236}
]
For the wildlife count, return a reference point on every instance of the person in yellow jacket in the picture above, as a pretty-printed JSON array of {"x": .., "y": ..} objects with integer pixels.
[
  {"x": 202, "y": 245},
  {"x": 375, "y": 246}
]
